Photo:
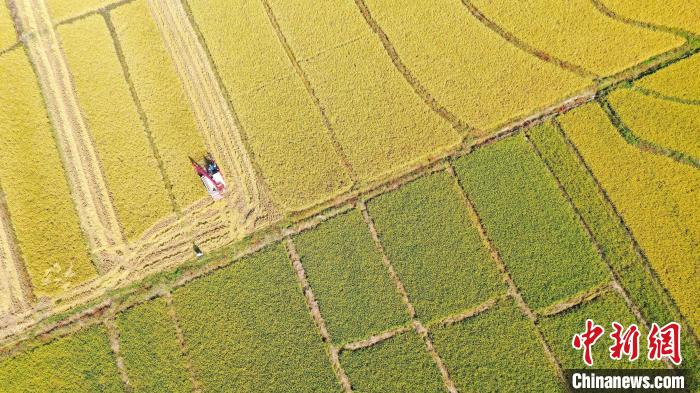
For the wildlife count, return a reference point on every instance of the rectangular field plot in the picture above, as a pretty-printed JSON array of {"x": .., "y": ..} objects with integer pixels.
[
  {"x": 355, "y": 294},
  {"x": 497, "y": 350},
  {"x": 670, "y": 125},
  {"x": 379, "y": 121},
  {"x": 475, "y": 73},
  {"x": 532, "y": 225},
  {"x": 577, "y": 32},
  {"x": 8, "y": 35},
  {"x": 400, "y": 364},
  {"x": 36, "y": 190},
  {"x": 609, "y": 307},
  {"x": 656, "y": 196},
  {"x": 82, "y": 362},
  {"x": 148, "y": 344},
  {"x": 436, "y": 251},
  {"x": 248, "y": 329},
  {"x": 284, "y": 128},
  {"x": 115, "y": 126},
  {"x": 162, "y": 97}
]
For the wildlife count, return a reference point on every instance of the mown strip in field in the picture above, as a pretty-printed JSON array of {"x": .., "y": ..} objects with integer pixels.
[
  {"x": 284, "y": 128},
  {"x": 43, "y": 216},
  {"x": 345, "y": 271},
  {"x": 475, "y": 73},
  {"x": 148, "y": 344},
  {"x": 667, "y": 124},
  {"x": 161, "y": 95},
  {"x": 437, "y": 253},
  {"x": 248, "y": 328},
  {"x": 379, "y": 122},
  {"x": 655, "y": 195},
  {"x": 399, "y": 364},
  {"x": 530, "y": 222},
  {"x": 576, "y": 31},
  {"x": 610, "y": 307},
  {"x": 130, "y": 167},
  {"x": 680, "y": 14},
  {"x": 493, "y": 349},
  {"x": 82, "y": 362}
]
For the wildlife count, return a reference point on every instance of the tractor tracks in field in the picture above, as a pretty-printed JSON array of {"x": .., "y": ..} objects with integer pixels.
[
  {"x": 16, "y": 293},
  {"x": 214, "y": 117},
  {"x": 84, "y": 174}
]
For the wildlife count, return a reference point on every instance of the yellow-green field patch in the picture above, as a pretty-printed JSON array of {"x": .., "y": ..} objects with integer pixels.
[
  {"x": 82, "y": 362},
  {"x": 576, "y": 31},
  {"x": 656, "y": 196},
  {"x": 378, "y": 120},
  {"x": 472, "y": 71}
]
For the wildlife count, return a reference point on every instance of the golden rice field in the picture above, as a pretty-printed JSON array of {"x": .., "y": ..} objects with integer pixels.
[{"x": 415, "y": 191}]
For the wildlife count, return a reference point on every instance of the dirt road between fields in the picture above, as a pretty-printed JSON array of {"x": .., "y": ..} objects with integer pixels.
[{"x": 93, "y": 203}]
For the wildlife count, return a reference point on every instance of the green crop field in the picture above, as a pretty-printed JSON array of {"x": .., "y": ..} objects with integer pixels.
[{"x": 420, "y": 195}]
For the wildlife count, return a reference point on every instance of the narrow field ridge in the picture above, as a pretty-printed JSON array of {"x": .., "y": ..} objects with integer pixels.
[
  {"x": 184, "y": 350},
  {"x": 401, "y": 289},
  {"x": 512, "y": 288},
  {"x": 93, "y": 203},
  {"x": 525, "y": 47},
  {"x": 459, "y": 125},
  {"x": 312, "y": 304},
  {"x": 309, "y": 88},
  {"x": 113, "y": 335}
]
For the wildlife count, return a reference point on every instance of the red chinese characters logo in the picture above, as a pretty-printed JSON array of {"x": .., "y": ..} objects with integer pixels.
[
  {"x": 663, "y": 342},
  {"x": 586, "y": 340},
  {"x": 625, "y": 342}
]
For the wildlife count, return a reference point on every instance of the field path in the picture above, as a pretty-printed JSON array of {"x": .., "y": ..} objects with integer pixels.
[
  {"x": 15, "y": 289},
  {"x": 93, "y": 203},
  {"x": 212, "y": 112}
]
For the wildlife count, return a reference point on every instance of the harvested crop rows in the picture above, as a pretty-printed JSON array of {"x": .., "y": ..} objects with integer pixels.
[{"x": 422, "y": 187}]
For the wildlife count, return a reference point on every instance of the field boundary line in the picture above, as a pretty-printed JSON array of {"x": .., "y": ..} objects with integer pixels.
[
  {"x": 313, "y": 308},
  {"x": 598, "y": 248},
  {"x": 577, "y": 300},
  {"x": 421, "y": 330},
  {"x": 646, "y": 265},
  {"x": 374, "y": 339},
  {"x": 512, "y": 288},
  {"x": 524, "y": 46},
  {"x": 82, "y": 169},
  {"x": 640, "y": 143},
  {"x": 460, "y": 126},
  {"x": 116, "y": 43},
  {"x": 605, "y": 10},
  {"x": 113, "y": 334},
  {"x": 310, "y": 90},
  {"x": 660, "y": 96},
  {"x": 182, "y": 342}
]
